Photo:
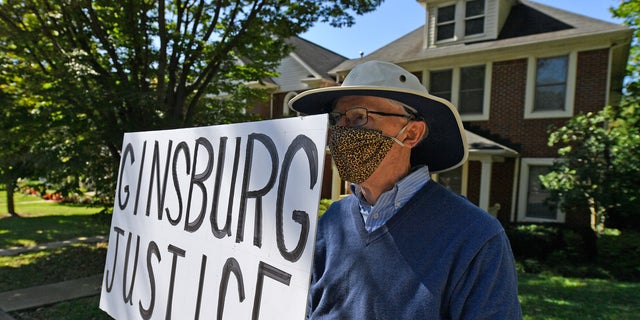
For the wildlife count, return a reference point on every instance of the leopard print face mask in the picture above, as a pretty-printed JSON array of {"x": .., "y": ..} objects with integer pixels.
[{"x": 357, "y": 152}]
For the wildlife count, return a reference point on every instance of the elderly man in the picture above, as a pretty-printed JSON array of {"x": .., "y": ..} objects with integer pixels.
[{"x": 401, "y": 246}]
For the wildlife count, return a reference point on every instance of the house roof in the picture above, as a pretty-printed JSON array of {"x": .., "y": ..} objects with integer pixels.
[
  {"x": 527, "y": 25},
  {"x": 307, "y": 66}
]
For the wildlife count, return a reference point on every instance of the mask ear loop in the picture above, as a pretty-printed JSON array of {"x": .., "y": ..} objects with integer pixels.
[{"x": 395, "y": 139}]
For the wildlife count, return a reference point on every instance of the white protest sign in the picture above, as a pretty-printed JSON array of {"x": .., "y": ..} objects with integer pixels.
[{"x": 215, "y": 222}]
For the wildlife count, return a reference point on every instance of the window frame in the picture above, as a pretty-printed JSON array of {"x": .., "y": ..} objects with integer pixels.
[
  {"x": 459, "y": 21},
  {"x": 532, "y": 72},
  {"x": 446, "y": 23},
  {"x": 456, "y": 86},
  {"x": 523, "y": 191},
  {"x": 482, "y": 16}
]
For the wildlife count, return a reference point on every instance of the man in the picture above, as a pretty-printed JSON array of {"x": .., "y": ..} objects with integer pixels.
[{"x": 401, "y": 246}]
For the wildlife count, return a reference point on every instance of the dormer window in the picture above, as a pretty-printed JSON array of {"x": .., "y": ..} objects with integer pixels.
[
  {"x": 474, "y": 17},
  {"x": 446, "y": 22},
  {"x": 461, "y": 19}
]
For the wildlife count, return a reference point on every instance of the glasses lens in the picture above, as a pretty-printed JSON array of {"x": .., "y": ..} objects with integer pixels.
[{"x": 357, "y": 117}]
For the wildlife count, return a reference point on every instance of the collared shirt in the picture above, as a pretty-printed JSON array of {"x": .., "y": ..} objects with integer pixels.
[{"x": 390, "y": 201}]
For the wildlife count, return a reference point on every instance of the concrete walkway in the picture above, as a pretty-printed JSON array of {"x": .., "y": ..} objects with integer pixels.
[{"x": 33, "y": 297}]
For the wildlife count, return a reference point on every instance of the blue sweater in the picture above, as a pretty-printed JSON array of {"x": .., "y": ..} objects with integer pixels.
[{"x": 439, "y": 257}]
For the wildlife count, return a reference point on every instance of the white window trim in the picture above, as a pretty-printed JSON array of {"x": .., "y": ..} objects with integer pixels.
[
  {"x": 526, "y": 163},
  {"x": 464, "y": 20},
  {"x": 464, "y": 179},
  {"x": 455, "y": 90},
  {"x": 531, "y": 88},
  {"x": 459, "y": 22},
  {"x": 456, "y": 22}
]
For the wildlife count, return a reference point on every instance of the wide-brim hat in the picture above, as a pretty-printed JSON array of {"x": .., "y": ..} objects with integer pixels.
[{"x": 445, "y": 146}]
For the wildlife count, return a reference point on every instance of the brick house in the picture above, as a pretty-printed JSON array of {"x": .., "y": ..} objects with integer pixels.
[{"x": 513, "y": 68}]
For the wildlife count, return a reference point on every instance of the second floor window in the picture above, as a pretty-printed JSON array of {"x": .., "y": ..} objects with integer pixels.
[
  {"x": 446, "y": 22},
  {"x": 459, "y": 20},
  {"x": 471, "y": 99},
  {"x": 474, "y": 17},
  {"x": 465, "y": 87},
  {"x": 551, "y": 84}
]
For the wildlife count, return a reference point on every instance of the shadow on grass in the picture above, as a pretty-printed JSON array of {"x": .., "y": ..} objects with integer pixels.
[
  {"x": 29, "y": 231},
  {"x": 51, "y": 266}
]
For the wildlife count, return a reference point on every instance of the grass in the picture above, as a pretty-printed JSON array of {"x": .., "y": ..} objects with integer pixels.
[
  {"x": 543, "y": 296},
  {"x": 47, "y": 221},
  {"x": 550, "y": 297}
]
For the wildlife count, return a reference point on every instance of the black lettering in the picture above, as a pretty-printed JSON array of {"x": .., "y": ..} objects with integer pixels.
[
  {"x": 109, "y": 286},
  {"x": 231, "y": 266},
  {"x": 203, "y": 268},
  {"x": 144, "y": 151},
  {"x": 272, "y": 272},
  {"x": 128, "y": 153},
  {"x": 176, "y": 252},
  {"x": 182, "y": 146},
  {"x": 301, "y": 217},
  {"x": 151, "y": 250},
  {"x": 226, "y": 230},
  {"x": 197, "y": 179},
  {"x": 128, "y": 295},
  {"x": 257, "y": 194},
  {"x": 161, "y": 192}
]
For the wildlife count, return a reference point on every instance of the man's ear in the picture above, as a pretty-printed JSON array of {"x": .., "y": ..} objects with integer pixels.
[{"x": 414, "y": 133}]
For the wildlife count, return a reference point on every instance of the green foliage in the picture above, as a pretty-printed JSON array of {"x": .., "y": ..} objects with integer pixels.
[
  {"x": 620, "y": 254},
  {"x": 570, "y": 251},
  {"x": 76, "y": 75},
  {"x": 629, "y": 11},
  {"x": 599, "y": 166},
  {"x": 324, "y": 205}
]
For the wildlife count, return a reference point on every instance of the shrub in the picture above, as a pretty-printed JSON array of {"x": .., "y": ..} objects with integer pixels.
[{"x": 619, "y": 253}]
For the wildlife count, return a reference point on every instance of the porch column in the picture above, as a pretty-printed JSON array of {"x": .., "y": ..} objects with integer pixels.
[{"x": 485, "y": 183}]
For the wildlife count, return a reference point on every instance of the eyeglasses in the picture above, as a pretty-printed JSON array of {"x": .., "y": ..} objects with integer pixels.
[{"x": 359, "y": 116}]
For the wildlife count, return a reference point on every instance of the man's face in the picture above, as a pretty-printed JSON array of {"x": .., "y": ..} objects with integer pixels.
[{"x": 389, "y": 125}]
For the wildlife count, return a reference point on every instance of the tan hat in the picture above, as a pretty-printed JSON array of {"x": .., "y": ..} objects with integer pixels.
[{"x": 445, "y": 147}]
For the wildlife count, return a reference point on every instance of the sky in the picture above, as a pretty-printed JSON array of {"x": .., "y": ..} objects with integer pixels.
[{"x": 395, "y": 18}]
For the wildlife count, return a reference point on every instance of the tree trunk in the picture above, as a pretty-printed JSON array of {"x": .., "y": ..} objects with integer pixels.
[{"x": 11, "y": 207}]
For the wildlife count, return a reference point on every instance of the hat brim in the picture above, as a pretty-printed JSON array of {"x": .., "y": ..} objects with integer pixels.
[{"x": 444, "y": 148}]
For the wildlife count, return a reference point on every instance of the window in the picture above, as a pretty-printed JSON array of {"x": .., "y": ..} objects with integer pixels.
[
  {"x": 464, "y": 18},
  {"x": 452, "y": 179},
  {"x": 534, "y": 199},
  {"x": 551, "y": 86},
  {"x": 474, "y": 17},
  {"x": 471, "y": 90},
  {"x": 446, "y": 22},
  {"x": 466, "y": 87},
  {"x": 441, "y": 82}
]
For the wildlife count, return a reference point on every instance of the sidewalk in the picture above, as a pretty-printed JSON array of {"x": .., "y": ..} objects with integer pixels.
[{"x": 27, "y": 298}]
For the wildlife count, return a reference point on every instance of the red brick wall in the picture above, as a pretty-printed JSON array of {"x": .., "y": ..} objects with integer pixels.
[
  {"x": 592, "y": 83},
  {"x": 506, "y": 122}
]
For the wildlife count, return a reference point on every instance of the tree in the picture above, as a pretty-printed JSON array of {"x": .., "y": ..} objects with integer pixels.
[
  {"x": 107, "y": 67},
  {"x": 600, "y": 152},
  {"x": 599, "y": 166},
  {"x": 19, "y": 128},
  {"x": 629, "y": 11}
]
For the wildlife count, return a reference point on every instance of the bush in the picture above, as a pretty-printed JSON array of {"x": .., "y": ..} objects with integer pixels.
[
  {"x": 619, "y": 253},
  {"x": 567, "y": 251}
]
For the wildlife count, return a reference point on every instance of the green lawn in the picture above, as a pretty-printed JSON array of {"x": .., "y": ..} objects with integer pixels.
[
  {"x": 549, "y": 297},
  {"x": 543, "y": 296},
  {"x": 46, "y": 221}
]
